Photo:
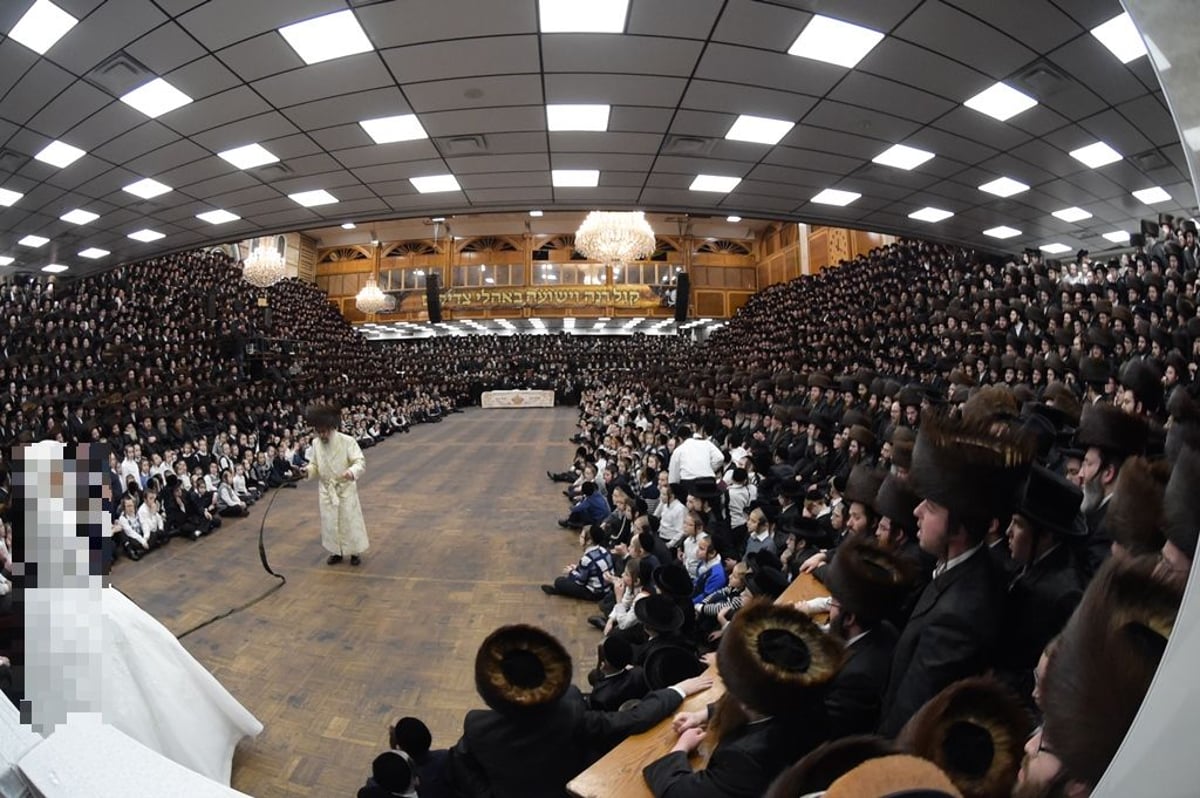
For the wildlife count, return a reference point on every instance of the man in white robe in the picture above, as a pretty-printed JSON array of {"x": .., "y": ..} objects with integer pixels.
[{"x": 337, "y": 463}]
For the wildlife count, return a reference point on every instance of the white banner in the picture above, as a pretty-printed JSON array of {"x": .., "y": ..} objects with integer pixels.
[{"x": 517, "y": 399}]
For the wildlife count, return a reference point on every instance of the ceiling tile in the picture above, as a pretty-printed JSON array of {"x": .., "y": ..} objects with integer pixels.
[
  {"x": 499, "y": 164},
  {"x": 399, "y": 152},
  {"x": 488, "y": 120},
  {"x": 460, "y": 58},
  {"x": 36, "y": 88},
  {"x": 68, "y": 109},
  {"x": 614, "y": 89},
  {"x": 761, "y": 68},
  {"x": 211, "y": 22},
  {"x": 632, "y": 55},
  {"x": 706, "y": 95},
  {"x": 142, "y": 139},
  {"x": 244, "y": 131},
  {"x": 890, "y": 97},
  {"x": 260, "y": 56},
  {"x": 923, "y": 69},
  {"x": 220, "y": 109},
  {"x": 1039, "y": 24},
  {"x": 481, "y": 92},
  {"x": 112, "y": 26},
  {"x": 689, "y": 19},
  {"x": 165, "y": 48},
  {"x": 944, "y": 29},
  {"x": 396, "y": 24},
  {"x": 840, "y": 116},
  {"x": 327, "y": 79}
]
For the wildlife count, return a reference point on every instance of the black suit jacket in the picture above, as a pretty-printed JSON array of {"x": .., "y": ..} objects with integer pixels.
[
  {"x": 855, "y": 698},
  {"x": 1098, "y": 545},
  {"x": 953, "y": 633},
  {"x": 745, "y": 761},
  {"x": 535, "y": 756}
]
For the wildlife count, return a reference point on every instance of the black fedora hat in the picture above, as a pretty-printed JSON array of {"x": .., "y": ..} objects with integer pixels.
[
  {"x": 670, "y": 665},
  {"x": 766, "y": 581},
  {"x": 520, "y": 668},
  {"x": 673, "y": 580},
  {"x": 659, "y": 613},
  {"x": 1050, "y": 502}
]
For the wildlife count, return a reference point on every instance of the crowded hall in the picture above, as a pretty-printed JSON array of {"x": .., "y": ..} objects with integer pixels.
[{"x": 620, "y": 399}]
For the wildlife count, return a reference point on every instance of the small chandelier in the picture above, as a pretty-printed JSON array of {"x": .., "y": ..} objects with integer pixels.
[
  {"x": 615, "y": 237},
  {"x": 264, "y": 266},
  {"x": 372, "y": 300}
]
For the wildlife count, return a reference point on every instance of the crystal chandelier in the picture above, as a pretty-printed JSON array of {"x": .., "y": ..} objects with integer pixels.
[
  {"x": 264, "y": 266},
  {"x": 372, "y": 300},
  {"x": 615, "y": 237}
]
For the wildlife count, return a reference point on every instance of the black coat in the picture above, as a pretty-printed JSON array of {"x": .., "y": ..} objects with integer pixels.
[
  {"x": 953, "y": 633},
  {"x": 611, "y": 691},
  {"x": 1098, "y": 545},
  {"x": 535, "y": 756},
  {"x": 855, "y": 698},
  {"x": 744, "y": 763}
]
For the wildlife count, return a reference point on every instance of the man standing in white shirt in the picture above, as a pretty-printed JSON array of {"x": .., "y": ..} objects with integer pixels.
[{"x": 695, "y": 457}]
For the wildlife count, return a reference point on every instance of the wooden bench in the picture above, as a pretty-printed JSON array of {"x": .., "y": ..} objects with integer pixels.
[{"x": 620, "y": 771}]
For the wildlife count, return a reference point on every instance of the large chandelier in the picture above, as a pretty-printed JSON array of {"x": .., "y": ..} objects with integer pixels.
[
  {"x": 264, "y": 266},
  {"x": 372, "y": 300},
  {"x": 615, "y": 237}
]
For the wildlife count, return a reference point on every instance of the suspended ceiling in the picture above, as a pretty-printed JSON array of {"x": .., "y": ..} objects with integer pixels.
[{"x": 479, "y": 75}]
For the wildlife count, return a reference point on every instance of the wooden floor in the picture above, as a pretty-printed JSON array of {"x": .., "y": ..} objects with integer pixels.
[{"x": 461, "y": 521}]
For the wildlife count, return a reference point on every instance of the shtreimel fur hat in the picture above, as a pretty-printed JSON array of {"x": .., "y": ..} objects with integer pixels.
[
  {"x": 863, "y": 484},
  {"x": 1181, "y": 503},
  {"x": 1135, "y": 518},
  {"x": 520, "y": 668},
  {"x": 1112, "y": 429},
  {"x": 866, "y": 579}
]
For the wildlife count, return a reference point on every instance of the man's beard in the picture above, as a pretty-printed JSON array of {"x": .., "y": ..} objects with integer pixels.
[{"x": 1093, "y": 494}]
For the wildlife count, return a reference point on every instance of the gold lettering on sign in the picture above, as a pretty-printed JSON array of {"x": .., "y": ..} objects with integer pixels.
[{"x": 624, "y": 297}]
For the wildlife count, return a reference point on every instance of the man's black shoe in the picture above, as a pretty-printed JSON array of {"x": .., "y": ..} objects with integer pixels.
[
  {"x": 355, "y": 559},
  {"x": 334, "y": 559},
  {"x": 549, "y": 590},
  {"x": 598, "y": 621}
]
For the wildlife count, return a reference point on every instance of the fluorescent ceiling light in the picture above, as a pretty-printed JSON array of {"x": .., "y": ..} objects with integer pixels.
[
  {"x": 217, "y": 217},
  {"x": 929, "y": 214},
  {"x": 535, "y": 213},
  {"x": 1072, "y": 214},
  {"x": 1121, "y": 38},
  {"x": 249, "y": 156},
  {"x": 60, "y": 154},
  {"x": 902, "y": 157},
  {"x": 33, "y": 241},
  {"x": 146, "y": 236},
  {"x": 147, "y": 188},
  {"x": 41, "y": 26},
  {"x": 5, "y": 260},
  {"x": 1152, "y": 195},
  {"x": 575, "y": 178},
  {"x": 577, "y": 117},
  {"x": 156, "y": 98},
  {"x": 1001, "y": 102},
  {"x": 92, "y": 253},
  {"x": 1117, "y": 236},
  {"x": 759, "y": 130},
  {"x": 1054, "y": 249},
  {"x": 54, "y": 268},
  {"x": 349, "y": 226},
  {"x": 327, "y": 37},
  {"x": 573, "y": 16},
  {"x": 1096, "y": 155},
  {"x": 80, "y": 216},
  {"x": 1004, "y": 187},
  {"x": 310, "y": 199},
  {"x": 1002, "y": 232},
  {"x": 431, "y": 184},
  {"x": 390, "y": 129},
  {"x": 834, "y": 41},
  {"x": 9, "y": 198},
  {"x": 733, "y": 219},
  {"x": 833, "y": 196},
  {"x": 715, "y": 183}
]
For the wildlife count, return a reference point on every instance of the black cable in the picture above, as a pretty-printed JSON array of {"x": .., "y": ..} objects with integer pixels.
[{"x": 262, "y": 556}]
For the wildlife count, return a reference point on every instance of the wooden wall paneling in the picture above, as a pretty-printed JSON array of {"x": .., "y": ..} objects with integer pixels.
[{"x": 709, "y": 304}]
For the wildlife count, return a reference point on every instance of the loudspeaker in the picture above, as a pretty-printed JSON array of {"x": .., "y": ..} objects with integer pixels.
[
  {"x": 433, "y": 299},
  {"x": 212, "y": 307},
  {"x": 267, "y": 319},
  {"x": 682, "y": 291}
]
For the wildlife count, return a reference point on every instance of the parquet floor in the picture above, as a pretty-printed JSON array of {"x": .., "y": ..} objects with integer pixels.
[{"x": 461, "y": 521}]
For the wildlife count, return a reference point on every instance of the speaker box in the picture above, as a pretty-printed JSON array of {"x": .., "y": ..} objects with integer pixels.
[
  {"x": 212, "y": 307},
  {"x": 433, "y": 298},
  {"x": 267, "y": 320},
  {"x": 683, "y": 290}
]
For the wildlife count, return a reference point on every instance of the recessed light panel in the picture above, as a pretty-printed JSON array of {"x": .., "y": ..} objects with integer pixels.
[
  {"x": 147, "y": 188},
  {"x": 34, "y": 241},
  {"x": 249, "y": 156},
  {"x": 390, "y": 129},
  {"x": 5, "y": 260},
  {"x": 734, "y": 219},
  {"x": 41, "y": 26},
  {"x": 833, "y": 196},
  {"x": 930, "y": 215},
  {"x": 1004, "y": 187},
  {"x": 1117, "y": 236},
  {"x": 60, "y": 154},
  {"x": 9, "y": 198},
  {"x": 1152, "y": 195},
  {"x": 156, "y": 98},
  {"x": 1096, "y": 155},
  {"x": 311, "y": 199},
  {"x": 54, "y": 268},
  {"x": 146, "y": 236},
  {"x": 1002, "y": 232},
  {"x": 573, "y": 16},
  {"x": 93, "y": 253},
  {"x": 902, "y": 157},
  {"x": 1054, "y": 249},
  {"x": 80, "y": 216},
  {"x": 577, "y": 117},
  {"x": 575, "y": 178},
  {"x": 715, "y": 183},
  {"x": 1072, "y": 214},
  {"x": 217, "y": 217},
  {"x": 432, "y": 184},
  {"x": 1000, "y": 101},
  {"x": 759, "y": 129},
  {"x": 327, "y": 37},
  {"x": 535, "y": 213},
  {"x": 349, "y": 226},
  {"x": 1121, "y": 38},
  {"x": 834, "y": 41}
]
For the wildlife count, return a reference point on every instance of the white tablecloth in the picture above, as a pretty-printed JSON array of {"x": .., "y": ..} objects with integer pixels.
[{"x": 517, "y": 399}]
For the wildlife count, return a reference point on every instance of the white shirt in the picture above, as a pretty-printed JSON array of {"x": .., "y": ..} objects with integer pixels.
[
  {"x": 740, "y": 498},
  {"x": 953, "y": 561},
  {"x": 695, "y": 458},
  {"x": 671, "y": 519}
]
